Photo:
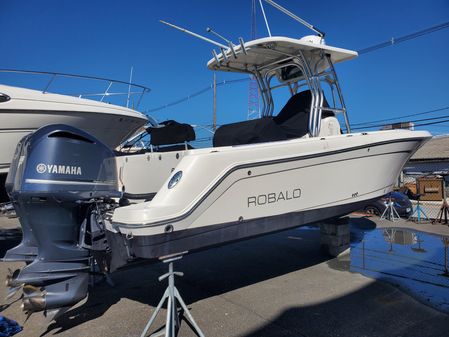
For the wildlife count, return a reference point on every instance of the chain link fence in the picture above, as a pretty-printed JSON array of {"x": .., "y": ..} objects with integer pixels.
[{"x": 429, "y": 196}]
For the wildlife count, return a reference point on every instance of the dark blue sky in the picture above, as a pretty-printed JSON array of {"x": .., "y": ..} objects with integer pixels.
[{"x": 105, "y": 38}]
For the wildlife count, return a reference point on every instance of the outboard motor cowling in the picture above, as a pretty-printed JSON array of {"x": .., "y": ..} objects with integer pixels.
[{"x": 61, "y": 173}]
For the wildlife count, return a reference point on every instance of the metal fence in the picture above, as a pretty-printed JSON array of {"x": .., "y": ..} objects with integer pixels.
[{"x": 429, "y": 197}]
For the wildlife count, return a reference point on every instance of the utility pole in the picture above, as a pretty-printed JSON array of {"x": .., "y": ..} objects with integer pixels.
[
  {"x": 253, "y": 91},
  {"x": 214, "y": 123}
]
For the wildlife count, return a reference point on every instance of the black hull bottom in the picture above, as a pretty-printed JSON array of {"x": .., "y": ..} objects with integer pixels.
[{"x": 155, "y": 246}]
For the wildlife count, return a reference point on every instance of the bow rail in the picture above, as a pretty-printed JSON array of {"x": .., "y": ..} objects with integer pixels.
[{"x": 133, "y": 88}]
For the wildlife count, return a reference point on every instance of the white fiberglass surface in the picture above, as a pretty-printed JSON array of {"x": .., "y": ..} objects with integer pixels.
[{"x": 203, "y": 169}]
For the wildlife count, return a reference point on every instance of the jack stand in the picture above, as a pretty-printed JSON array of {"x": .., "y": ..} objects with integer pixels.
[
  {"x": 173, "y": 297},
  {"x": 444, "y": 210},
  {"x": 418, "y": 211},
  {"x": 390, "y": 212}
]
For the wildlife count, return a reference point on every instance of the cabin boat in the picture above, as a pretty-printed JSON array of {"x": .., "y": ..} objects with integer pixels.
[{"x": 23, "y": 111}]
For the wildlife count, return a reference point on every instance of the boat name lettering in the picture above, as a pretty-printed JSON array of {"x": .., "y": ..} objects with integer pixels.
[
  {"x": 59, "y": 169},
  {"x": 270, "y": 198}
]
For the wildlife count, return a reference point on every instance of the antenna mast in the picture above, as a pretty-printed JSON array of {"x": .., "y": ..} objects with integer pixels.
[
  {"x": 193, "y": 34},
  {"x": 296, "y": 18},
  {"x": 129, "y": 86},
  {"x": 253, "y": 92}
]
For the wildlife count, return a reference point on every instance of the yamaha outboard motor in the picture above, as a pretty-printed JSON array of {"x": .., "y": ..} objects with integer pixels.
[
  {"x": 58, "y": 177},
  {"x": 27, "y": 250}
]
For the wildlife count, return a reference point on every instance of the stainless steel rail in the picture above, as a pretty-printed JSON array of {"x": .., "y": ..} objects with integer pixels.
[{"x": 138, "y": 89}]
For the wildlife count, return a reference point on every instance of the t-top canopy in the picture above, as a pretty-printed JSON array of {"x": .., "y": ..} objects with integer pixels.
[{"x": 260, "y": 52}]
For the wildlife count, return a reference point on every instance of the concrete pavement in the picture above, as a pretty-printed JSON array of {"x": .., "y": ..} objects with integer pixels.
[{"x": 275, "y": 285}]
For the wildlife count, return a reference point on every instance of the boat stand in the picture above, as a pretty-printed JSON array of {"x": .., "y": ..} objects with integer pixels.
[
  {"x": 444, "y": 211},
  {"x": 390, "y": 212},
  {"x": 419, "y": 211},
  {"x": 173, "y": 297}
]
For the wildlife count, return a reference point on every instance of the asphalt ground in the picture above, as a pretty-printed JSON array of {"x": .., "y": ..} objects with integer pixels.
[{"x": 275, "y": 285}]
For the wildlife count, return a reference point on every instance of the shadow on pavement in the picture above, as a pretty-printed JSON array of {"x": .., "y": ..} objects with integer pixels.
[
  {"x": 375, "y": 310},
  {"x": 206, "y": 274}
]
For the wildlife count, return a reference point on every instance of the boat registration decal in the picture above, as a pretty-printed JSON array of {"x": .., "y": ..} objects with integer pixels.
[{"x": 273, "y": 197}]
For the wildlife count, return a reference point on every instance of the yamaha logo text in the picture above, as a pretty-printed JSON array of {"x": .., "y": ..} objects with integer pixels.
[
  {"x": 59, "y": 169},
  {"x": 274, "y": 197}
]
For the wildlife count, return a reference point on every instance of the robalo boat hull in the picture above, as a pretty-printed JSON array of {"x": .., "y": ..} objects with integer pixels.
[{"x": 293, "y": 186}]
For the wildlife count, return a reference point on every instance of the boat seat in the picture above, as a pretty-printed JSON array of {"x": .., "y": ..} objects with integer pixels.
[
  {"x": 297, "y": 104},
  {"x": 248, "y": 132},
  {"x": 171, "y": 132},
  {"x": 294, "y": 116},
  {"x": 329, "y": 127},
  {"x": 291, "y": 122}
]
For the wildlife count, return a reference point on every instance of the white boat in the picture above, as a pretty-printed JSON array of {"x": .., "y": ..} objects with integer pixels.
[
  {"x": 23, "y": 111},
  {"x": 292, "y": 167},
  {"x": 258, "y": 184}
]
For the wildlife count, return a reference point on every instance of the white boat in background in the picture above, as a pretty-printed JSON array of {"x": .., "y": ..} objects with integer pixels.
[{"x": 23, "y": 111}]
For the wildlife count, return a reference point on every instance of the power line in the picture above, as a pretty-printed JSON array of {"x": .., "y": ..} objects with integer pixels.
[
  {"x": 403, "y": 116},
  {"x": 197, "y": 93},
  {"x": 432, "y": 123},
  {"x": 411, "y": 121},
  {"x": 442, "y": 125},
  {"x": 391, "y": 42},
  {"x": 407, "y": 37}
]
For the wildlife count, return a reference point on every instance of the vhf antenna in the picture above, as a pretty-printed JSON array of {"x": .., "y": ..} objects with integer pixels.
[
  {"x": 223, "y": 47},
  {"x": 265, "y": 18},
  {"x": 295, "y": 17},
  {"x": 209, "y": 30},
  {"x": 195, "y": 35}
]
